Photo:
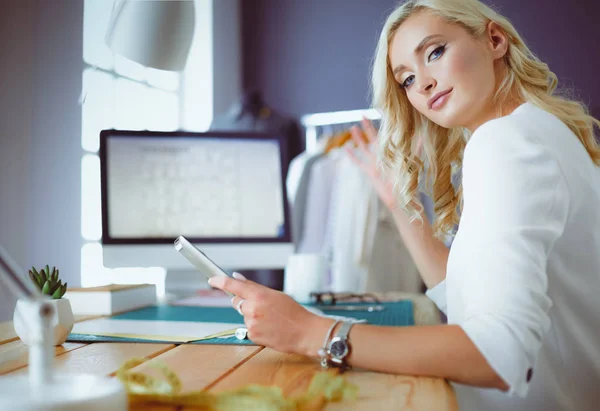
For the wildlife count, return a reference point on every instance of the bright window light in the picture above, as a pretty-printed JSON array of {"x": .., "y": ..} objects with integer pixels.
[
  {"x": 91, "y": 227},
  {"x": 118, "y": 93},
  {"x": 98, "y": 108}
]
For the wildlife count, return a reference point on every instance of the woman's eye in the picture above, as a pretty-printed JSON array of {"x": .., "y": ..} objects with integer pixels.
[
  {"x": 409, "y": 80},
  {"x": 437, "y": 53}
]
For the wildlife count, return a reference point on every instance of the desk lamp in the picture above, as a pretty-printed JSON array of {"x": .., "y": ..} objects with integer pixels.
[
  {"x": 42, "y": 389},
  {"x": 156, "y": 34}
]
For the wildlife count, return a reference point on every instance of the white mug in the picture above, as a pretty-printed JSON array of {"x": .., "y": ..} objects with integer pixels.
[{"x": 304, "y": 274}]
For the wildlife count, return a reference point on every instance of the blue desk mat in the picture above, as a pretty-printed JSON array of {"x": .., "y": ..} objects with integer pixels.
[{"x": 395, "y": 314}]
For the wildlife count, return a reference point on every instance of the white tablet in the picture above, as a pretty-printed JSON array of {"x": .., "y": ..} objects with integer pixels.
[{"x": 198, "y": 259}]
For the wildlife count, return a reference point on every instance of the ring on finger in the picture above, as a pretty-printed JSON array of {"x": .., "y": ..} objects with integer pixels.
[{"x": 239, "y": 306}]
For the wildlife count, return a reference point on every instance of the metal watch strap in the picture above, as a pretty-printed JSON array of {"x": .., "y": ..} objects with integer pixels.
[
  {"x": 323, "y": 352},
  {"x": 341, "y": 335},
  {"x": 345, "y": 330}
]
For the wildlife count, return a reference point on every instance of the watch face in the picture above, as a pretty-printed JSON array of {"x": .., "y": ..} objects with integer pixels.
[{"x": 338, "y": 348}]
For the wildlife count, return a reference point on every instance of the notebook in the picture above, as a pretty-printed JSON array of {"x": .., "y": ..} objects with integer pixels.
[
  {"x": 171, "y": 331},
  {"x": 111, "y": 299}
]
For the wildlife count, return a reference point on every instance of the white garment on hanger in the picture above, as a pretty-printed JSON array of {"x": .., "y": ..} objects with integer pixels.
[
  {"x": 391, "y": 266},
  {"x": 352, "y": 194},
  {"x": 316, "y": 210},
  {"x": 368, "y": 252},
  {"x": 297, "y": 186}
]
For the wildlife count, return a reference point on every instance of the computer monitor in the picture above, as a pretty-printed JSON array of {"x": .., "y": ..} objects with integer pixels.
[{"x": 224, "y": 191}]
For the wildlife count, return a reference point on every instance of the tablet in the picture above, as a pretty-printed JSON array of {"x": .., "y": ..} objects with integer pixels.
[{"x": 198, "y": 259}]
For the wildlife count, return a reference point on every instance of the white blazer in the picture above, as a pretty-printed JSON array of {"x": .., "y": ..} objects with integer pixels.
[{"x": 523, "y": 276}]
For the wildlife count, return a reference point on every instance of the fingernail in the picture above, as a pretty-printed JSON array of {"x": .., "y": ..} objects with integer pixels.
[
  {"x": 216, "y": 281},
  {"x": 239, "y": 276}
]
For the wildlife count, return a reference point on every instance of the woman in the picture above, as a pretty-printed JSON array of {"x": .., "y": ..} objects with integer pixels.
[{"x": 520, "y": 281}]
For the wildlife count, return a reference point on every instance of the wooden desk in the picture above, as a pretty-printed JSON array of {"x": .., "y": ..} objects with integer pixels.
[{"x": 222, "y": 367}]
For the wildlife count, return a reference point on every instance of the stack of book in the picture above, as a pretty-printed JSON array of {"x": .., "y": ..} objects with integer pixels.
[{"x": 111, "y": 299}]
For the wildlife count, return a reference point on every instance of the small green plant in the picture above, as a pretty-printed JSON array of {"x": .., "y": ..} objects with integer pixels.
[{"x": 48, "y": 282}]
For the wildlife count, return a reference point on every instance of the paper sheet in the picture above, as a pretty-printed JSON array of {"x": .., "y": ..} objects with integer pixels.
[{"x": 175, "y": 331}]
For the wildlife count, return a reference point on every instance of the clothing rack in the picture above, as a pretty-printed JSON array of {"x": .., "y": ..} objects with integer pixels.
[
  {"x": 338, "y": 214},
  {"x": 318, "y": 125},
  {"x": 326, "y": 123}
]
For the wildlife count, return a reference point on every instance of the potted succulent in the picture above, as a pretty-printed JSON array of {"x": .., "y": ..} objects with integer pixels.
[{"x": 49, "y": 283}]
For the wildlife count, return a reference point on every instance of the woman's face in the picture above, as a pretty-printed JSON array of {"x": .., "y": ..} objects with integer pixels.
[{"x": 448, "y": 75}]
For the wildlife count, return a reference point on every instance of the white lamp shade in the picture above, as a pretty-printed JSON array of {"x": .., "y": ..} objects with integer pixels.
[{"x": 156, "y": 34}]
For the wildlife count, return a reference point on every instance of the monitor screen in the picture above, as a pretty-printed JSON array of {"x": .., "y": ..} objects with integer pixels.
[{"x": 210, "y": 187}]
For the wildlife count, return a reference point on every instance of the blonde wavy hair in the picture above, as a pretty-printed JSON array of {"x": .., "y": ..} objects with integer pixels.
[{"x": 527, "y": 79}]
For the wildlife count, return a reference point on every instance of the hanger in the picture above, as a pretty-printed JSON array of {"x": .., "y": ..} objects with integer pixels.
[
  {"x": 337, "y": 140},
  {"x": 340, "y": 138}
]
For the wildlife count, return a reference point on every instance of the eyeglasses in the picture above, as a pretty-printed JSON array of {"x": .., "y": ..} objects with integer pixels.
[{"x": 331, "y": 298}]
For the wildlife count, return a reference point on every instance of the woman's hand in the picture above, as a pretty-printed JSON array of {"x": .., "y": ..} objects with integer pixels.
[
  {"x": 273, "y": 318},
  {"x": 428, "y": 253},
  {"x": 366, "y": 159}
]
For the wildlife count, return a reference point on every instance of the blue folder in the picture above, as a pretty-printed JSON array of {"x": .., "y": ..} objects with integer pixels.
[{"x": 395, "y": 314}]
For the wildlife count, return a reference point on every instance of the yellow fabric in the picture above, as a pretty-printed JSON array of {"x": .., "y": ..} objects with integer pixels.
[{"x": 326, "y": 386}]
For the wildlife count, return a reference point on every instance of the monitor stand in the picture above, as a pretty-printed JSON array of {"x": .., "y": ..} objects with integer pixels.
[{"x": 184, "y": 283}]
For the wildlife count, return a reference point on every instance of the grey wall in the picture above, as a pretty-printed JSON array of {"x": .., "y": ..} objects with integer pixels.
[
  {"x": 40, "y": 138},
  {"x": 314, "y": 55},
  {"x": 227, "y": 66},
  {"x": 15, "y": 118}
]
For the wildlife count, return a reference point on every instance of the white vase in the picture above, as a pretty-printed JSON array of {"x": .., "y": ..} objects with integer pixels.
[{"x": 62, "y": 320}]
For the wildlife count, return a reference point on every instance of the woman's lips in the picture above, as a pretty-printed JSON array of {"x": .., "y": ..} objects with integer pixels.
[{"x": 439, "y": 99}]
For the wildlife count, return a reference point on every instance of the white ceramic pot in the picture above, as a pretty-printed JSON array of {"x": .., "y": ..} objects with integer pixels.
[{"x": 62, "y": 321}]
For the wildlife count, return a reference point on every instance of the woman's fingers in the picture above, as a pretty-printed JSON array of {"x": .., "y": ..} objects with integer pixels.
[
  {"x": 370, "y": 130},
  {"x": 356, "y": 160},
  {"x": 249, "y": 309},
  {"x": 239, "y": 276},
  {"x": 356, "y": 134},
  {"x": 242, "y": 288},
  {"x": 235, "y": 301}
]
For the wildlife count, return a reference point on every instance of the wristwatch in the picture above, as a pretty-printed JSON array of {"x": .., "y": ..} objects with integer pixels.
[{"x": 339, "y": 347}]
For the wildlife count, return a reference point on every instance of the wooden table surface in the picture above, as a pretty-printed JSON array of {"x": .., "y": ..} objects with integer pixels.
[{"x": 224, "y": 367}]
